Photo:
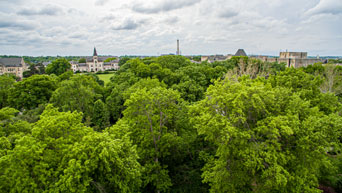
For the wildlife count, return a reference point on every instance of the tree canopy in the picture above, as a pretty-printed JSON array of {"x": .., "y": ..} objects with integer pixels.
[
  {"x": 63, "y": 155},
  {"x": 166, "y": 124},
  {"x": 268, "y": 138},
  {"x": 30, "y": 92},
  {"x": 58, "y": 66}
]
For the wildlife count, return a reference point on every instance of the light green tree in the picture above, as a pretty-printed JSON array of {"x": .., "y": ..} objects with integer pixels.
[
  {"x": 100, "y": 117},
  {"x": 61, "y": 154},
  {"x": 6, "y": 82},
  {"x": 151, "y": 115},
  {"x": 30, "y": 92},
  {"x": 58, "y": 66},
  {"x": 78, "y": 93},
  {"x": 109, "y": 59},
  {"x": 268, "y": 138}
]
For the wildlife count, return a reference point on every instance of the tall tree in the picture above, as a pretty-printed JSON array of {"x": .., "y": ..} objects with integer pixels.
[
  {"x": 100, "y": 117},
  {"x": 63, "y": 155},
  {"x": 6, "y": 82},
  {"x": 151, "y": 115},
  {"x": 78, "y": 93},
  {"x": 58, "y": 66},
  {"x": 30, "y": 92},
  {"x": 268, "y": 138}
]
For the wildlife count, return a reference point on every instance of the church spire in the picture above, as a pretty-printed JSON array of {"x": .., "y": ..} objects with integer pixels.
[{"x": 95, "y": 53}]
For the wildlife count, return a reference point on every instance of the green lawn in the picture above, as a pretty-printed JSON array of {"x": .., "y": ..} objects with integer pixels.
[{"x": 105, "y": 77}]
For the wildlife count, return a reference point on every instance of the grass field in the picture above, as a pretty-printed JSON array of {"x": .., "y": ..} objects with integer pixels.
[{"x": 105, "y": 77}]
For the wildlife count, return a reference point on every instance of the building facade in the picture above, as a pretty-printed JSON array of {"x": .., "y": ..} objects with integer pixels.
[
  {"x": 292, "y": 59},
  {"x": 95, "y": 64},
  {"x": 15, "y": 66}
]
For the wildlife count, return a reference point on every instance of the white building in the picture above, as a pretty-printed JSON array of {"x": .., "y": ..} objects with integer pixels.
[{"x": 95, "y": 64}]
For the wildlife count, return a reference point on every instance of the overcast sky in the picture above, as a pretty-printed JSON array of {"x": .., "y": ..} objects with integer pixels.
[{"x": 151, "y": 27}]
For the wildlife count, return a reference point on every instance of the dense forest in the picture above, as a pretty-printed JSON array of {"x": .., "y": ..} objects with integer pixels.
[{"x": 165, "y": 124}]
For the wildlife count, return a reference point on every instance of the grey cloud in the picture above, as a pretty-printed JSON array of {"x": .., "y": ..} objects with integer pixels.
[
  {"x": 80, "y": 36},
  {"x": 163, "y": 6},
  {"x": 127, "y": 24},
  {"x": 22, "y": 25},
  {"x": 171, "y": 20},
  {"x": 49, "y": 10},
  {"x": 227, "y": 14},
  {"x": 11, "y": 1},
  {"x": 101, "y": 2},
  {"x": 109, "y": 17},
  {"x": 76, "y": 12},
  {"x": 326, "y": 7}
]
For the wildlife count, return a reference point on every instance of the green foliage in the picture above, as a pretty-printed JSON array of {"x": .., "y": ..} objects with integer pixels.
[
  {"x": 77, "y": 94},
  {"x": 109, "y": 59},
  {"x": 30, "y": 92},
  {"x": 66, "y": 75},
  {"x": 63, "y": 155},
  {"x": 335, "y": 61},
  {"x": 151, "y": 115},
  {"x": 240, "y": 125},
  {"x": 268, "y": 138},
  {"x": 96, "y": 78},
  {"x": 308, "y": 88},
  {"x": 100, "y": 117},
  {"x": 330, "y": 175},
  {"x": 82, "y": 60},
  {"x": 172, "y": 62},
  {"x": 58, "y": 66},
  {"x": 314, "y": 69},
  {"x": 34, "y": 69},
  {"x": 253, "y": 67},
  {"x": 193, "y": 80},
  {"x": 330, "y": 74},
  {"x": 11, "y": 127},
  {"x": 6, "y": 82},
  {"x": 123, "y": 61}
]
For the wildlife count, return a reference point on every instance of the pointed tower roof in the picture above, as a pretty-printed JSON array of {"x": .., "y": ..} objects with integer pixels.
[
  {"x": 240, "y": 52},
  {"x": 95, "y": 53}
]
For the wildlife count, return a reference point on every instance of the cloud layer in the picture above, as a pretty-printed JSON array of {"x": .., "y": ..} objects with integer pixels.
[
  {"x": 157, "y": 6},
  {"x": 151, "y": 27},
  {"x": 47, "y": 10}
]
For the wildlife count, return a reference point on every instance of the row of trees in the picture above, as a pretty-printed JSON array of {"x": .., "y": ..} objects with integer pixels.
[{"x": 165, "y": 124}]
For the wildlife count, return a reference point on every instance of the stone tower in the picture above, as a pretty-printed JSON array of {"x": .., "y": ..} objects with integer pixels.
[{"x": 178, "y": 53}]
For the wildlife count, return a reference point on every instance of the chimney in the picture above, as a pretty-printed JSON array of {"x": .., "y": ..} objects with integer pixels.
[{"x": 178, "y": 53}]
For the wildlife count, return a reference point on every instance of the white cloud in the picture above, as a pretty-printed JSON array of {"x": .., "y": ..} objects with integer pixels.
[
  {"x": 157, "y": 6},
  {"x": 101, "y": 2},
  {"x": 326, "y": 7},
  {"x": 49, "y": 10},
  {"x": 149, "y": 27}
]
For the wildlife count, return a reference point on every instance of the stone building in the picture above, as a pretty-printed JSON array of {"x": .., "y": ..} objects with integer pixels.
[
  {"x": 95, "y": 64},
  {"x": 14, "y": 66},
  {"x": 292, "y": 59}
]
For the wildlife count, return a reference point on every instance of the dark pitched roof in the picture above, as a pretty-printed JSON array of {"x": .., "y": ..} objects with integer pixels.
[
  {"x": 11, "y": 62},
  {"x": 240, "y": 52},
  {"x": 89, "y": 59}
]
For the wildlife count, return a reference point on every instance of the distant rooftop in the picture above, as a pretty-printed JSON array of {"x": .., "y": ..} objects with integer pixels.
[
  {"x": 240, "y": 52},
  {"x": 11, "y": 62}
]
